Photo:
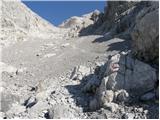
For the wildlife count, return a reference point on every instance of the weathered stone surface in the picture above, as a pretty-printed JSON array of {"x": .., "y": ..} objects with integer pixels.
[
  {"x": 2, "y": 115},
  {"x": 148, "y": 96},
  {"x": 92, "y": 84},
  {"x": 94, "y": 104},
  {"x": 157, "y": 92},
  {"x": 79, "y": 72},
  {"x": 81, "y": 22},
  {"x": 114, "y": 10},
  {"x": 107, "y": 96},
  {"x": 121, "y": 96},
  {"x": 123, "y": 76},
  {"x": 17, "y": 27},
  {"x": 145, "y": 34},
  {"x": 7, "y": 68},
  {"x": 59, "y": 111},
  {"x": 113, "y": 107},
  {"x": 127, "y": 73},
  {"x": 30, "y": 102},
  {"x": 38, "y": 110},
  {"x": 7, "y": 99},
  {"x": 15, "y": 110},
  {"x": 76, "y": 24},
  {"x": 128, "y": 116}
]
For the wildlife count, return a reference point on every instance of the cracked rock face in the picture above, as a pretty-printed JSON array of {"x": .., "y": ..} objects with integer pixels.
[
  {"x": 79, "y": 72},
  {"x": 124, "y": 72},
  {"x": 17, "y": 27},
  {"x": 75, "y": 24},
  {"x": 145, "y": 39},
  {"x": 124, "y": 76}
]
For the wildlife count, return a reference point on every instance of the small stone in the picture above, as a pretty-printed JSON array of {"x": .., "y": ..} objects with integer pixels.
[
  {"x": 43, "y": 114},
  {"x": 125, "y": 116},
  {"x": 2, "y": 115},
  {"x": 65, "y": 45},
  {"x": 34, "y": 88},
  {"x": 140, "y": 110},
  {"x": 128, "y": 116},
  {"x": 38, "y": 54},
  {"x": 122, "y": 96},
  {"x": 30, "y": 102},
  {"x": 21, "y": 70},
  {"x": 69, "y": 100},
  {"x": 113, "y": 107},
  {"x": 79, "y": 72},
  {"x": 108, "y": 96},
  {"x": 53, "y": 92},
  {"x": 145, "y": 112},
  {"x": 49, "y": 55},
  {"x": 135, "y": 109}
]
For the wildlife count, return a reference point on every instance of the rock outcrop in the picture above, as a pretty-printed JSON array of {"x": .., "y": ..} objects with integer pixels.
[
  {"x": 18, "y": 25},
  {"x": 76, "y": 24},
  {"x": 145, "y": 34},
  {"x": 123, "y": 77},
  {"x": 131, "y": 21},
  {"x": 114, "y": 12},
  {"x": 136, "y": 21}
]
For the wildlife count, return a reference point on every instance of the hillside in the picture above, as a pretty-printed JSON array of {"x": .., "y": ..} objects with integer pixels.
[{"x": 98, "y": 65}]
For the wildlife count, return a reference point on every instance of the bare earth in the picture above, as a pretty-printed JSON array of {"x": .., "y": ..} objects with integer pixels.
[{"x": 47, "y": 64}]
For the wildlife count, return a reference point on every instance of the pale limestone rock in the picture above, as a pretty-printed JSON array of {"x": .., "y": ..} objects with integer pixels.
[
  {"x": 113, "y": 107},
  {"x": 79, "y": 72}
]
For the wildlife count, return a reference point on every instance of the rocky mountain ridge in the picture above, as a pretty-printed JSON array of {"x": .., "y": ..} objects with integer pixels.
[{"x": 17, "y": 26}]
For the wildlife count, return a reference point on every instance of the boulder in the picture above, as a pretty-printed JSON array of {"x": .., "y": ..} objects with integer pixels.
[
  {"x": 124, "y": 76},
  {"x": 113, "y": 107},
  {"x": 92, "y": 84},
  {"x": 79, "y": 72},
  {"x": 132, "y": 75},
  {"x": 145, "y": 34},
  {"x": 121, "y": 96},
  {"x": 107, "y": 96},
  {"x": 59, "y": 111},
  {"x": 39, "y": 110}
]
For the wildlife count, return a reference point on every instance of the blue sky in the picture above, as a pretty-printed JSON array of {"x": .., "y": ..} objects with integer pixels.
[{"x": 57, "y": 11}]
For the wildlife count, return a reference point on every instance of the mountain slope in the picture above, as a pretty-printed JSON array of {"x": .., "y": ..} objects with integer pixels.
[{"x": 18, "y": 22}]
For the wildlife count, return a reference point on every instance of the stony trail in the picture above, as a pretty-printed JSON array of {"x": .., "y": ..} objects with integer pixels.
[
  {"x": 47, "y": 64},
  {"x": 53, "y": 57}
]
